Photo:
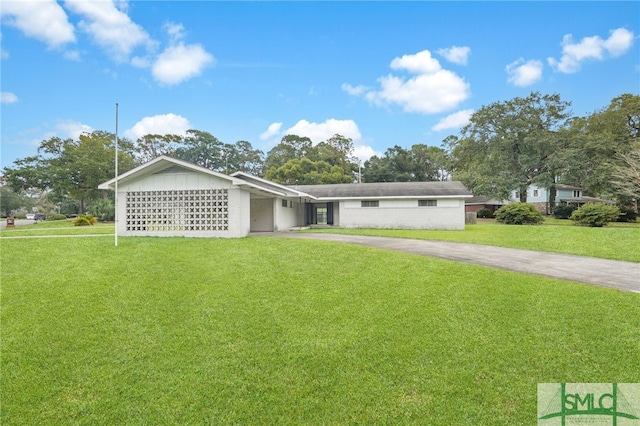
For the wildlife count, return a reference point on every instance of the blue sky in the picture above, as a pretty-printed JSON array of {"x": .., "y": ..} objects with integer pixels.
[{"x": 381, "y": 73}]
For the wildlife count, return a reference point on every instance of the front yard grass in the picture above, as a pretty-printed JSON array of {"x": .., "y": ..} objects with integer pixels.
[
  {"x": 618, "y": 243},
  {"x": 284, "y": 331}
]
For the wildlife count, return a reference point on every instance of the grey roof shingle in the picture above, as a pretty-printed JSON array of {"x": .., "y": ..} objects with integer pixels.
[{"x": 385, "y": 189}]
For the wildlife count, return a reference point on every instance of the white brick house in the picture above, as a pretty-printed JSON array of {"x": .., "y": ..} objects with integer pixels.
[{"x": 169, "y": 197}]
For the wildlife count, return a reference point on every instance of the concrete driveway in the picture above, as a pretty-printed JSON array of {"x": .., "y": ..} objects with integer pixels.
[{"x": 606, "y": 273}]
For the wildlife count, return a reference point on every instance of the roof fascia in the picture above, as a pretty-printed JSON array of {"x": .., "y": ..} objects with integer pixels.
[
  {"x": 140, "y": 170},
  {"x": 240, "y": 175},
  {"x": 393, "y": 197}
]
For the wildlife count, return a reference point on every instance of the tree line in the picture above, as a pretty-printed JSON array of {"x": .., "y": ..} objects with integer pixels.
[{"x": 506, "y": 146}]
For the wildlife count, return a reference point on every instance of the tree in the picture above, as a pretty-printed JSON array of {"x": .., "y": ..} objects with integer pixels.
[
  {"x": 248, "y": 160},
  {"x": 203, "y": 149},
  {"x": 152, "y": 146},
  {"x": 11, "y": 200},
  {"x": 625, "y": 173},
  {"x": 289, "y": 148},
  {"x": 600, "y": 142},
  {"x": 303, "y": 171},
  {"x": 72, "y": 168},
  {"x": 510, "y": 145},
  {"x": 419, "y": 164}
]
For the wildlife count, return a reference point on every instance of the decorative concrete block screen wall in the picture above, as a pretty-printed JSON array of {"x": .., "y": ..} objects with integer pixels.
[{"x": 185, "y": 210}]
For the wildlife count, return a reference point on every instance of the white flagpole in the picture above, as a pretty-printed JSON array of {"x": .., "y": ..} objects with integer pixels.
[{"x": 116, "y": 189}]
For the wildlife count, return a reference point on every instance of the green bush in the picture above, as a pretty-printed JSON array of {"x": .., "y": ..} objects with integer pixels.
[
  {"x": 519, "y": 214},
  {"x": 56, "y": 216},
  {"x": 595, "y": 214},
  {"x": 484, "y": 213},
  {"x": 85, "y": 220},
  {"x": 563, "y": 211},
  {"x": 103, "y": 209},
  {"x": 627, "y": 214}
]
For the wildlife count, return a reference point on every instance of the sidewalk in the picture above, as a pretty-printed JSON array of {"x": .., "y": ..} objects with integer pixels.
[{"x": 602, "y": 272}]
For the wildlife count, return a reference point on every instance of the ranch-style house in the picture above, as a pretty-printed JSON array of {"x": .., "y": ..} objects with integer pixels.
[{"x": 170, "y": 197}]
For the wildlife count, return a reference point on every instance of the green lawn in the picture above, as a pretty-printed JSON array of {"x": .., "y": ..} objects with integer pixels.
[
  {"x": 284, "y": 331},
  {"x": 56, "y": 227},
  {"x": 612, "y": 242}
]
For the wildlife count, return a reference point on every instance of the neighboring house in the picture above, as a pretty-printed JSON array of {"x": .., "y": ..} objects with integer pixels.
[
  {"x": 474, "y": 204},
  {"x": 564, "y": 194},
  {"x": 169, "y": 197}
]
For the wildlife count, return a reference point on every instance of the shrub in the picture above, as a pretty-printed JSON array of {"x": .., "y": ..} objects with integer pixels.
[
  {"x": 519, "y": 214},
  {"x": 563, "y": 211},
  {"x": 85, "y": 220},
  {"x": 103, "y": 209},
  {"x": 56, "y": 216},
  {"x": 484, "y": 213},
  {"x": 627, "y": 214},
  {"x": 595, "y": 214}
]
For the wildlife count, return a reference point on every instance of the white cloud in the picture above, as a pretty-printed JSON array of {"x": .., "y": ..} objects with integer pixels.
[
  {"x": 364, "y": 152},
  {"x": 72, "y": 129},
  {"x": 319, "y": 132},
  {"x": 180, "y": 62},
  {"x": 8, "y": 98},
  {"x": 175, "y": 30},
  {"x": 159, "y": 125},
  {"x": 72, "y": 55},
  {"x": 354, "y": 90},
  {"x": 110, "y": 27},
  {"x": 523, "y": 73},
  {"x": 273, "y": 130},
  {"x": 454, "y": 121},
  {"x": 420, "y": 63},
  {"x": 573, "y": 54},
  {"x": 456, "y": 54},
  {"x": 433, "y": 90},
  {"x": 44, "y": 20}
]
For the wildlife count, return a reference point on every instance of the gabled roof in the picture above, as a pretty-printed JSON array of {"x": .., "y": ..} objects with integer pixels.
[
  {"x": 258, "y": 185},
  {"x": 288, "y": 191},
  {"x": 164, "y": 163},
  {"x": 386, "y": 190}
]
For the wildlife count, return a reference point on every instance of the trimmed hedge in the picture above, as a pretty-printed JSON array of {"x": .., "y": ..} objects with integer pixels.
[
  {"x": 595, "y": 214},
  {"x": 484, "y": 213},
  {"x": 563, "y": 211},
  {"x": 519, "y": 214}
]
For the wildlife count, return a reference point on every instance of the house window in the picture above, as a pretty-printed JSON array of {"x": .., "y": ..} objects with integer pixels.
[
  {"x": 369, "y": 203},
  {"x": 290, "y": 204},
  {"x": 536, "y": 193},
  {"x": 285, "y": 203},
  {"x": 576, "y": 194},
  {"x": 516, "y": 194},
  {"x": 427, "y": 203}
]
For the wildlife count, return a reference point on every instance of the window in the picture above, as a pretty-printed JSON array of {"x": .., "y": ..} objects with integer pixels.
[
  {"x": 427, "y": 203},
  {"x": 284, "y": 203},
  {"x": 516, "y": 194},
  {"x": 290, "y": 204},
  {"x": 369, "y": 203},
  {"x": 576, "y": 194},
  {"x": 536, "y": 193}
]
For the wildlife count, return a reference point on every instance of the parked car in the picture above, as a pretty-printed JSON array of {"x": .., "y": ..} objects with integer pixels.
[
  {"x": 31, "y": 216},
  {"x": 40, "y": 216}
]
